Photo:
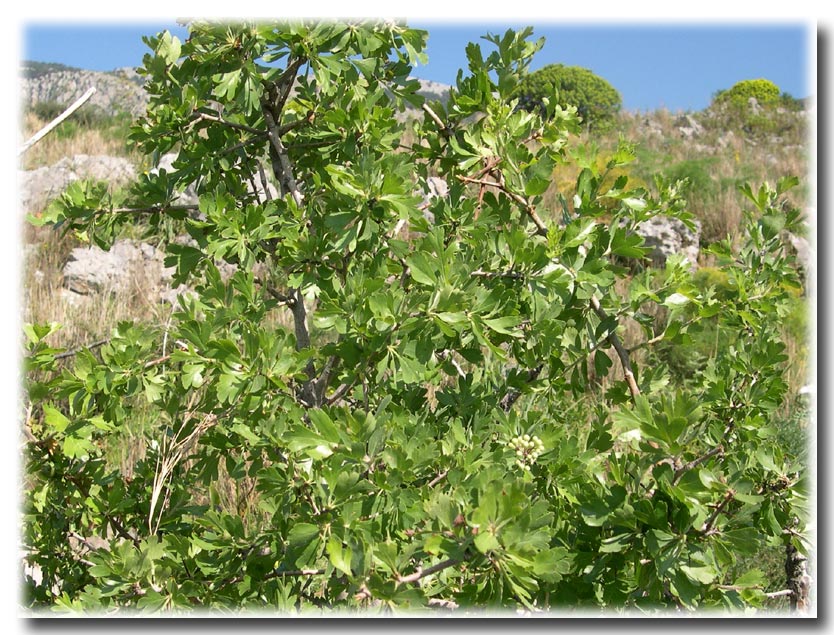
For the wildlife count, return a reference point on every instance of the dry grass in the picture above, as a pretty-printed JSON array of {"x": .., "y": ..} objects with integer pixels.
[
  {"x": 70, "y": 139},
  {"x": 84, "y": 318}
]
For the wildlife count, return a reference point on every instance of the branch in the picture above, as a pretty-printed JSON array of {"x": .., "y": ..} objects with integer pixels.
[
  {"x": 443, "y": 127},
  {"x": 54, "y": 123},
  {"x": 286, "y": 81},
  {"x": 77, "y": 350},
  {"x": 341, "y": 391},
  {"x": 512, "y": 395},
  {"x": 438, "y": 478},
  {"x": 695, "y": 462},
  {"x": 154, "y": 209},
  {"x": 423, "y": 573},
  {"x": 281, "y": 165},
  {"x": 708, "y": 528},
  {"x": 622, "y": 353},
  {"x": 201, "y": 116}
]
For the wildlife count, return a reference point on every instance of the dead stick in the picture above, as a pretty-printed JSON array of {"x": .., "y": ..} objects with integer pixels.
[{"x": 54, "y": 123}]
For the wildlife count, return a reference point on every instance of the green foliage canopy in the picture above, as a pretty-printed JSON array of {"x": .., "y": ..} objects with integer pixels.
[
  {"x": 763, "y": 91},
  {"x": 596, "y": 101}
]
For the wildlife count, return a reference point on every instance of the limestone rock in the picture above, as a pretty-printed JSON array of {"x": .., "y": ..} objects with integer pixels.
[
  {"x": 39, "y": 186},
  {"x": 126, "y": 266},
  {"x": 116, "y": 93},
  {"x": 669, "y": 236},
  {"x": 689, "y": 127}
]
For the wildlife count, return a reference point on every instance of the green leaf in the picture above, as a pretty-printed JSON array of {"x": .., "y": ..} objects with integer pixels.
[
  {"x": 339, "y": 556},
  {"x": 245, "y": 431},
  {"x": 703, "y": 574},
  {"x": 486, "y": 541},
  {"x": 753, "y": 578},
  {"x": 504, "y": 325},
  {"x": 421, "y": 270},
  {"x": 302, "y": 533},
  {"x": 616, "y": 544},
  {"x": 594, "y": 512},
  {"x": 636, "y": 204},
  {"x": 552, "y": 564},
  {"x": 55, "y": 419}
]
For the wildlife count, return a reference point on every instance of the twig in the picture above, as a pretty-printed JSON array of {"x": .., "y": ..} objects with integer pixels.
[
  {"x": 443, "y": 127},
  {"x": 776, "y": 594},
  {"x": 54, "y": 123},
  {"x": 708, "y": 528},
  {"x": 264, "y": 182},
  {"x": 257, "y": 138},
  {"x": 154, "y": 209},
  {"x": 77, "y": 350},
  {"x": 512, "y": 395},
  {"x": 276, "y": 574},
  {"x": 772, "y": 594},
  {"x": 122, "y": 531},
  {"x": 340, "y": 391},
  {"x": 157, "y": 361},
  {"x": 622, "y": 353},
  {"x": 541, "y": 227},
  {"x": 541, "y": 230},
  {"x": 695, "y": 462},
  {"x": 423, "y": 573},
  {"x": 513, "y": 275},
  {"x": 237, "y": 126},
  {"x": 438, "y": 478}
]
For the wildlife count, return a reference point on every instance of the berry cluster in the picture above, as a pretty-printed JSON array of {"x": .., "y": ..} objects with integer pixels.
[{"x": 527, "y": 450}]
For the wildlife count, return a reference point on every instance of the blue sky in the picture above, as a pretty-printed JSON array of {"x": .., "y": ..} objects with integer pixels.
[{"x": 673, "y": 65}]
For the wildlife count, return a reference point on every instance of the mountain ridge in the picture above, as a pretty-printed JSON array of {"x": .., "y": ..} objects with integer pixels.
[{"x": 119, "y": 91}]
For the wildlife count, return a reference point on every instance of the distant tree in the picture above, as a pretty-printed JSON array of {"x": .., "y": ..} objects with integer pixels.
[
  {"x": 596, "y": 101},
  {"x": 763, "y": 90}
]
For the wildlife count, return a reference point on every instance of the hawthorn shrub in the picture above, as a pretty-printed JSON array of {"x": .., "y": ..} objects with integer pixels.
[
  {"x": 596, "y": 101},
  {"x": 398, "y": 385}
]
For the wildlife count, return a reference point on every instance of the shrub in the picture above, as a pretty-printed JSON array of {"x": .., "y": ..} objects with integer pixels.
[
  {"x": 595, "y": 99},
  {"x": 376, "y": 411},
  {"x": 763, "y": 90}
]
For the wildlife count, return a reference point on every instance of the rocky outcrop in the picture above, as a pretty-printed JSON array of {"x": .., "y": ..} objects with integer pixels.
[
  {"x": 667, "y": 236},
  {"x": 434, "y": 91},
  {"x": 116, "y": 93},
  {"x": 126, "y": 266},
  {"x": 688, "y": 127},
  {"x": 121, "y": 90},
  {"x": 39, "y": 186}
]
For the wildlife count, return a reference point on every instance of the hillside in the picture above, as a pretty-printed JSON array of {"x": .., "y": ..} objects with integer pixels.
[{"x": 118, "y": 91}]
